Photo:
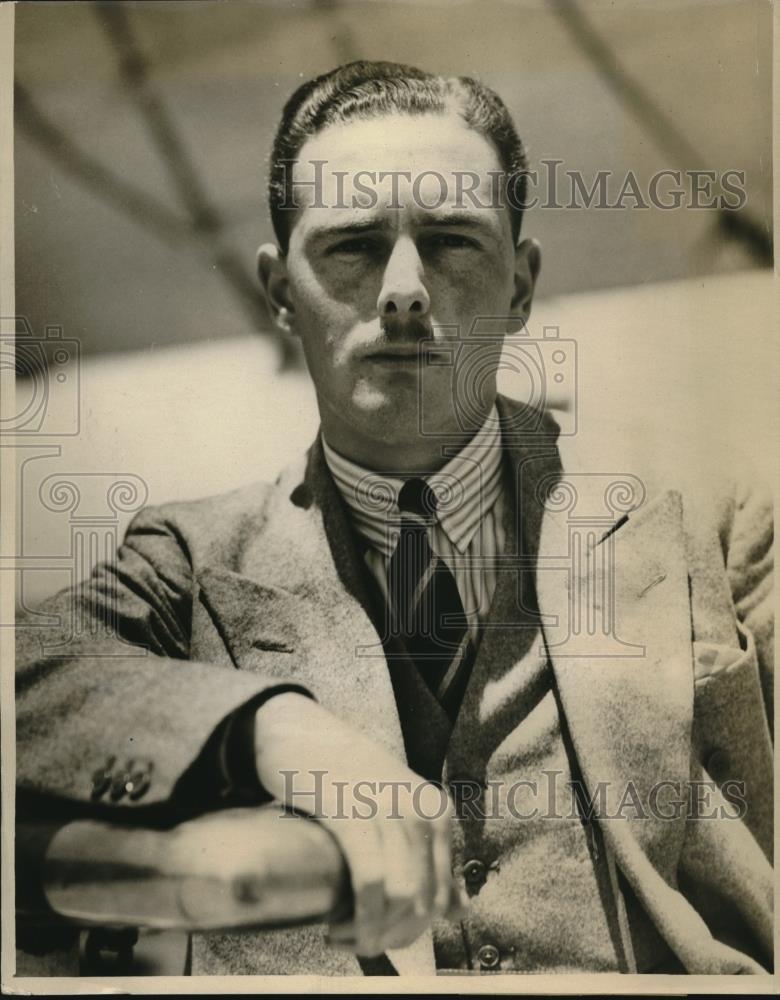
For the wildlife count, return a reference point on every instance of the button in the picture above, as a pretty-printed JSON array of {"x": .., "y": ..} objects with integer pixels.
[
  {"x": 101, "y": 779},
  {"x": 474, "y": 872},
  {"x": 488, "y": 956},
  {"x": 138, "y": 785},
  {"x": 138, "y": 777},
  {"x": 718, "y": 764},
  {"x": 118, "y": 789},
  {"x": 133, "y": 780}
]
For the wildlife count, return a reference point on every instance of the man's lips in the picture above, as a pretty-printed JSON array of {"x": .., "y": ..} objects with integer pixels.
[
  {"x": 386, "y": 354},
  {"x": 400, "y": 353}
]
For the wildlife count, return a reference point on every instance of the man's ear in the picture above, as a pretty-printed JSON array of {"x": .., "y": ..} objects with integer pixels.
[
  {"x": 528, "y": 263},
  {"x": 272, "y": 272}
]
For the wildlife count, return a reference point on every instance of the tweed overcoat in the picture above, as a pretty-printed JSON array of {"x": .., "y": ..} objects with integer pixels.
[{"x": 653, "y": 593}]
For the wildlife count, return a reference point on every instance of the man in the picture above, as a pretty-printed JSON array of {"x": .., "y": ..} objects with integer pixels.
[{"x": 397, "y": 608}]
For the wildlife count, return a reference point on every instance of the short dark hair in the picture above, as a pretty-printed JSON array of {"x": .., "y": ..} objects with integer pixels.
[{"x": 370, "y": 89}]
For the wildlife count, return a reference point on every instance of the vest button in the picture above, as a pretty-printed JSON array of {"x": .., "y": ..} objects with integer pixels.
[
  {"x": 488, "y": 956},
  {"x": 101, "y": 780},
  {"x": 474, "y": 872}
]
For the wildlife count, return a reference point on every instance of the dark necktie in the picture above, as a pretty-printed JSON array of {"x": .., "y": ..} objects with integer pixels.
[{"x": 425, "y": 606}]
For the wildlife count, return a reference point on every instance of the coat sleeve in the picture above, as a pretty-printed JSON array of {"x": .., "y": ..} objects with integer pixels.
[
  {"x": 733, "y": 705},
  {"x": 725, "y": 865},
  {"x": 750, "y": 567},
  {"x": 111, "y": 712}
]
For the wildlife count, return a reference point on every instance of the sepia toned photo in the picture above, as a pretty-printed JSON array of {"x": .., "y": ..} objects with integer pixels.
[{"x": 389, "y": 449}]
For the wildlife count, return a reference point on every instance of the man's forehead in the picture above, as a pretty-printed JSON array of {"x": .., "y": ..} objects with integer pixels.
[
  {"x": 432, "y": 165},
  {"x": 402, "y": 141}
]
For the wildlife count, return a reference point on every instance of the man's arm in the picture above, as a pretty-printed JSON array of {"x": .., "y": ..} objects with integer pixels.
[
  {"x": 202, "y": 733},
  {"x": 107, "y": 686},
  {"x": 393, "y": 826}
]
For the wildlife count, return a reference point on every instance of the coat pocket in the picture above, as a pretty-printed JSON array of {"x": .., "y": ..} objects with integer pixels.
[
  {"x": 722, "y": 665},
  {"x": 712, "y": 658}
]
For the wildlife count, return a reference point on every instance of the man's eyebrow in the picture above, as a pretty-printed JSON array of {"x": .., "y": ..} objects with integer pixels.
[
  {"x": 463, "y": 219},
  {"x": 348, "y": 228},
  {"x": 483, "y": 225}
]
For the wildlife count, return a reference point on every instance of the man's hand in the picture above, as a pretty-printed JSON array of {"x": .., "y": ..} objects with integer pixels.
[{"x": 392, "y": 826}]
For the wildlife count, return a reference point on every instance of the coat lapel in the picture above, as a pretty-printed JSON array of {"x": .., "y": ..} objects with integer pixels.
[
  {"x": 612, "y": 587},
  {"x": 298, "y": 605},
  {"x": 613, "y": 594},
  {"x": 630, "y": 715}
]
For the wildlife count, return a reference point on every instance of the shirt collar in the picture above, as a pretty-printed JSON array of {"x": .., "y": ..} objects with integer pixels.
[{"x": 466, "y": 488}]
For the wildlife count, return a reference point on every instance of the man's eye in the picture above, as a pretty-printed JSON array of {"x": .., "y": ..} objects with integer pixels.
[
  {"x": 357, "y": 245},
  {"x": 453, "y": 241}
]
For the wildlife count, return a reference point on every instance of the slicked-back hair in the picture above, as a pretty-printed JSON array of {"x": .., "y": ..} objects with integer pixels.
[{"x": 365, "y": 90}]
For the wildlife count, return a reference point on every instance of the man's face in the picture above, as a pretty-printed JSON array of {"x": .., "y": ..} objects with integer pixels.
[{"x": 414, "y": 262}]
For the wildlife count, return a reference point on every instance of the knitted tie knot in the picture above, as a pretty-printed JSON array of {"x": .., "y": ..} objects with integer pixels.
[{"x": 417, "y": 497}]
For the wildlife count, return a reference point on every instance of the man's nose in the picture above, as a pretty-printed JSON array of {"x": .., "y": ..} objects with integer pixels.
[{"x": 403, "y": 292}]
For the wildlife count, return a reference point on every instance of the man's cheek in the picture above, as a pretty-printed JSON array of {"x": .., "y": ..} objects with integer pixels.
[
  {"x": 323, "y": 320},
  {"x": 352, "y": 282},
  {"x": 461, "y": 303}
]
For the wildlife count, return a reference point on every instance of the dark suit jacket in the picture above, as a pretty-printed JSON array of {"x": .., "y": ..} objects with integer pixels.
[{"x": 235, "y": 595}]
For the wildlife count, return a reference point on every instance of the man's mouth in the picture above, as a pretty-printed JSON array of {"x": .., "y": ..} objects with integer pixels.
[
  {"x": 397, "y": 354},
  {"x": 403, "y": 354},
  {"x": 402, "y": 344}
]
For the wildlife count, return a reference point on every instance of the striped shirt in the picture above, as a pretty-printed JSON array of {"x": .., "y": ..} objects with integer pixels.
[{"x": 469, "y": 529}]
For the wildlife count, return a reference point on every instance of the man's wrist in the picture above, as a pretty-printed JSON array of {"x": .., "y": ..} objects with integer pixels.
[
  {"x": 288, "y": 738},
  {"x": 242, "y": 738}
]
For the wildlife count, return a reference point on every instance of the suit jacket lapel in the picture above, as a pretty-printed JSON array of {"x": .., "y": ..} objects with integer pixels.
[
  {"x": 299, "y": 606},
  {"x": 616, "y": 619}
]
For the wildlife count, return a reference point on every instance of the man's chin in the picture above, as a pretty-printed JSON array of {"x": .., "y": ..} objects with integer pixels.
[
  {"x": 390, "y": 426},
  {"x": 376, "y": 403}
]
